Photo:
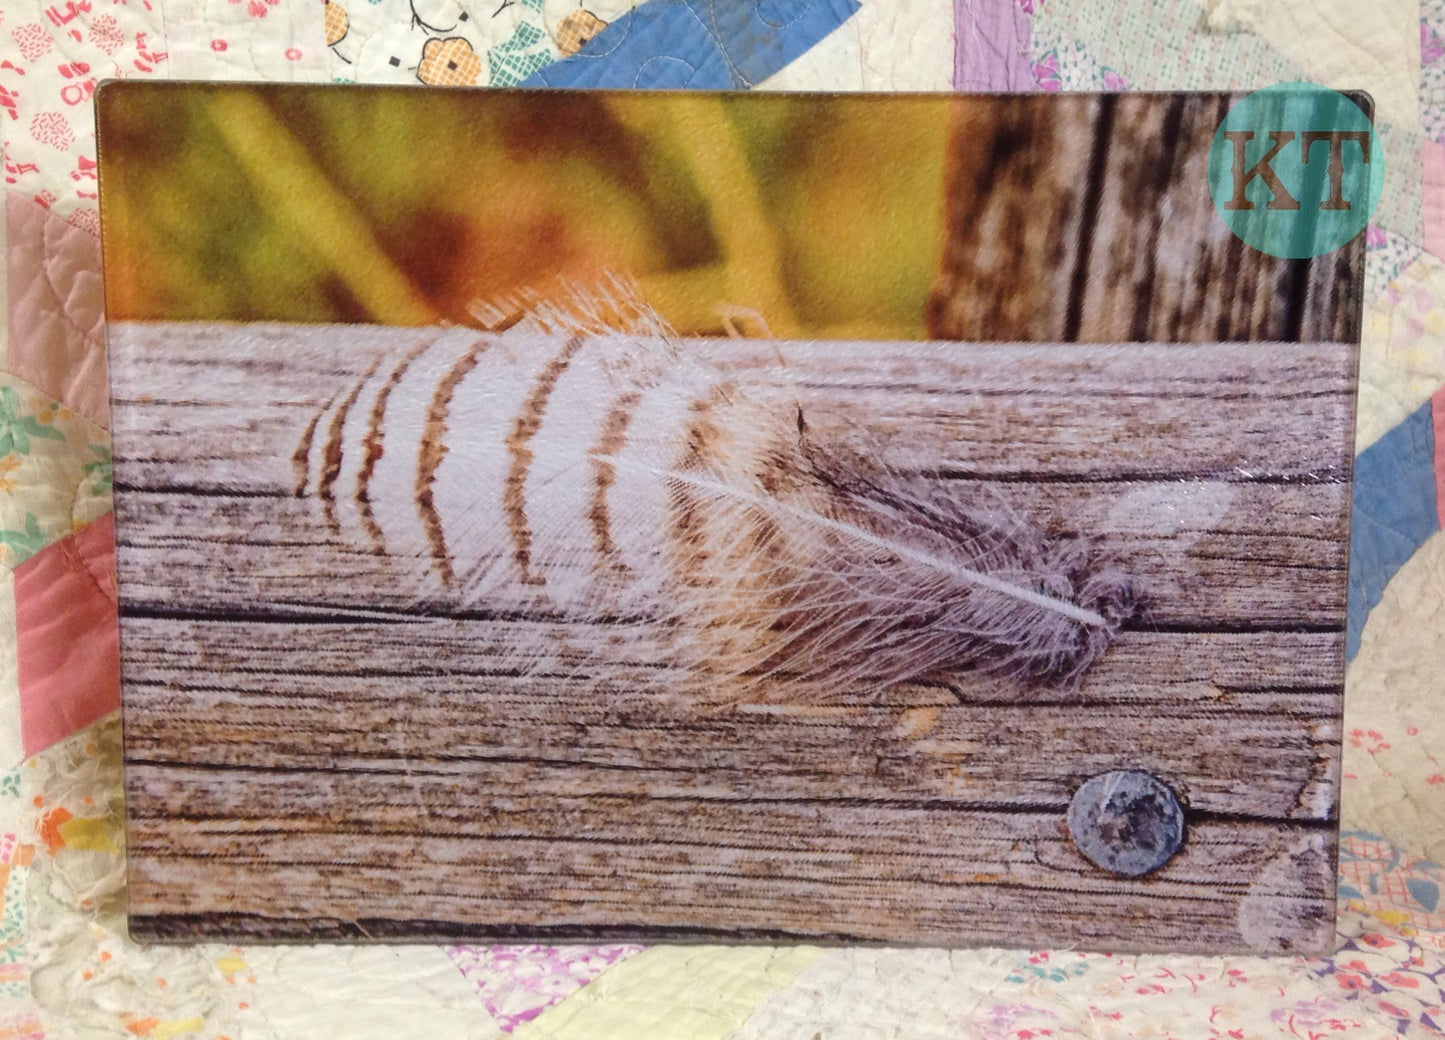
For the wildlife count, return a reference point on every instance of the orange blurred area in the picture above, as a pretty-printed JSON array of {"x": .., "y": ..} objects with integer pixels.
[{"x": 787, "y": 215}]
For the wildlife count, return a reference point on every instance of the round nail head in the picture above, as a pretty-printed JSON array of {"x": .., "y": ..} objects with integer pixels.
[{"x": 1126, "y": 822}]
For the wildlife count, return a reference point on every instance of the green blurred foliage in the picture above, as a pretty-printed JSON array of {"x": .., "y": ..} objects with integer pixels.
[{"x": 821, "y": 213}]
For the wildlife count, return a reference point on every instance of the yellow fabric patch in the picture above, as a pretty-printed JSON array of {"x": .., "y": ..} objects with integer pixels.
[
  {"x": 177, "y": 1026},
  {"x": 1402, "y": 353},
  {"x": 673, "y": 993},
  {"x": 95, "y": 834}
]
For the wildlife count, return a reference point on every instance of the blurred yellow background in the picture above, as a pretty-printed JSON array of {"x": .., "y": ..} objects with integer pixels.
[{"x": 813, "y": 215}]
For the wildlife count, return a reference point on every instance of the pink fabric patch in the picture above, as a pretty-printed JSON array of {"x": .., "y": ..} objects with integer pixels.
[
  {"x": 1432, "y": 162},
  {"x": 518, "y": 983},
  {"x": 57, "y": 311},
  {"x": 1437, "y": 422},
  {"x": 991, "y": 45},
  {"x": 68, "y": 642}
]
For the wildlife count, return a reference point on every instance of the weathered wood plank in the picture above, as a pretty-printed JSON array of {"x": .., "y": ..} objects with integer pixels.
[
  {"x": 1002, "y": 867},
  {"x": 1205, "y": 588},
  {"x": 1010, "y": 411},
  {"x": 306, "y": 711},
  {"x": 1274, "y": 760},
  {"x": 1090, "y": 218},
  {"x": 1025, "y": 425},
  {"x": 1208, "y": 552},
  {"x": 1285, "y": 523},
  {"x": 227, "y": 805},
  {"x": 1142, "y": 667}
]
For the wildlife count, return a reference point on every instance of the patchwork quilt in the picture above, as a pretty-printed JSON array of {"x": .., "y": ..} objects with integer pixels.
[{"x": 67, "y": 967}]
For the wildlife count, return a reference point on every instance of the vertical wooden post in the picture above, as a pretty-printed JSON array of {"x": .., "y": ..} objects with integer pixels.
[{"x": 1089, "y": 219}]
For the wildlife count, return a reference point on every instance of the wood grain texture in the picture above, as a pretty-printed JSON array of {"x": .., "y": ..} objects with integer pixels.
[
  {"x": 312, "y": 751},
  {"x": 1089, "y": 218}
]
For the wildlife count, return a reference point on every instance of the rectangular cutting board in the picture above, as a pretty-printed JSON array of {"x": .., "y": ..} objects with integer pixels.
[{"x": 619, "y": 561}]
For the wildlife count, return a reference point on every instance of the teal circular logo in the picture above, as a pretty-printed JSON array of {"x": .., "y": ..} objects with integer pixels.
[{"x": 1296, "y": 170}]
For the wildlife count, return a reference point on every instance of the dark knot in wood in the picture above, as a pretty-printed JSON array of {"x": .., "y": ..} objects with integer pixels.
[{"x": 1126, "y": 822}]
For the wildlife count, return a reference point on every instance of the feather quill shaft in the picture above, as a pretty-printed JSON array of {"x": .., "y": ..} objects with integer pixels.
[{"x": 966, "y": 574}]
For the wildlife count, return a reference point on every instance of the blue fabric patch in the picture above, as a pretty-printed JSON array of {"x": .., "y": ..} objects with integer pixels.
[
  {"x": 1394, "y": 513},
  {"x": 1426, "y": 893},
  {"x": 699, "y": 44}
]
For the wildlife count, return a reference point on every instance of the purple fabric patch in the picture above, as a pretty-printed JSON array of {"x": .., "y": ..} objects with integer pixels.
[{"x": 991, "y": 45}]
